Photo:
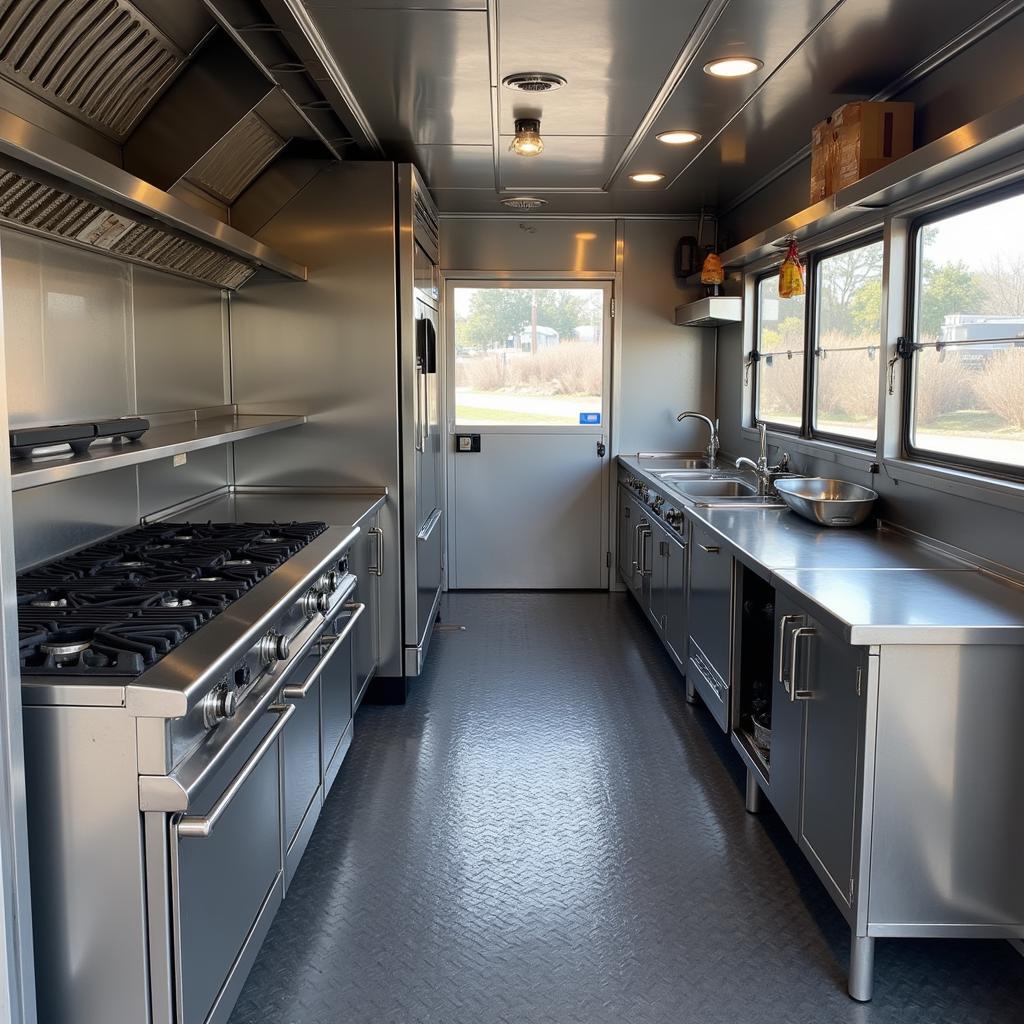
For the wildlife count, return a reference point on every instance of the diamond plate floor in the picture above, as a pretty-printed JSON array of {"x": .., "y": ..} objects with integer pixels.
[{"x": 546, "y": 832}]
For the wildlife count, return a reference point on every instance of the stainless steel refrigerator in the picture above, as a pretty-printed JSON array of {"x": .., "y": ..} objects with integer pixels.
[
  {"x": 419, "y": 290},
  {"x": 357, "y": 349}
]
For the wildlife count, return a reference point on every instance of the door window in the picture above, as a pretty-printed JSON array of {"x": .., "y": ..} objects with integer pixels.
[{"x": 529, "y": 356}]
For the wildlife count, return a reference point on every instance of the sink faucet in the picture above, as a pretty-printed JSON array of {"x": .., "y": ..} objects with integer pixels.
[
  {"x": 761, "y": 469},
  {"x": 713, "y": 445}
]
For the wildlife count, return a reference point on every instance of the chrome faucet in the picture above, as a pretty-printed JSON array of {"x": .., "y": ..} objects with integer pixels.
[
  {"x": 761, "y": 469},
  {"x": 713, "y": 445}
]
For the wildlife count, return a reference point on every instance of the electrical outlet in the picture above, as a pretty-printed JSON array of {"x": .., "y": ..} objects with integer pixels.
[{"x": 180, "y": 459}]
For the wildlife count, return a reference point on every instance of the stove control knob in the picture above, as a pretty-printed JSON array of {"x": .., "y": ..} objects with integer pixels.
[
  {"x": 658, "y": 502},
  {"x": 219, "y": 705},
  {"x": 316, "y": 601},
  {"x": 274, "y": 647},
  {"x": 673, "y": 517},
  {"x": 323, "y": 603},
  {"x": 332, "y": 581}
]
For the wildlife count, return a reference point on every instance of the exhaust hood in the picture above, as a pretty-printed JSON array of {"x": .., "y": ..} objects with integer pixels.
[{"x": 133, "y": 128}]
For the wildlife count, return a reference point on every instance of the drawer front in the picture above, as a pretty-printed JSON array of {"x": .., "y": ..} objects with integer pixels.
[
  {"x": 709, "y": 684},
  {"x": 301, "y": 753}
]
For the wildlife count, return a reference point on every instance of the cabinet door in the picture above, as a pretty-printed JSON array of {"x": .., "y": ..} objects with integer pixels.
[
  {"x": 365, "y": 560},
  {"x": 335, "y": 705},
  {"x": 833, "y": 674},
  {"x": 710, "y": 606},
  {"x": 787, "y": 718},
  {"x": 627, "y": 538},
  {"x": 675, "y": 599},
  {"x": 657, "y": 568}
]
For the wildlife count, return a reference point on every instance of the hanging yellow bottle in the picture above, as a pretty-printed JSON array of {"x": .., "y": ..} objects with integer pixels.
[{"x": 791, "y": 273}]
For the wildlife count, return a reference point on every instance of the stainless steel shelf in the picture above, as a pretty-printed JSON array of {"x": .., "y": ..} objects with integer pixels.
[
  {"x": 971, "y": 147},
  {"x": 159, "y": 442},
  {"x": 713, "y": 311}
]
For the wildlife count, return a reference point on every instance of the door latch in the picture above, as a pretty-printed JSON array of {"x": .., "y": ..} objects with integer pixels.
[{"x": 600, "y": 449}]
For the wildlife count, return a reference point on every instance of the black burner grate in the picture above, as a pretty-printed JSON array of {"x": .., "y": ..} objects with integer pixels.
[{"x": 117, "y": 607}]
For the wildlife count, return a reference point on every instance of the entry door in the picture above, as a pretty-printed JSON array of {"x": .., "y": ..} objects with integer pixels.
[{"x": 528, "y": 434}]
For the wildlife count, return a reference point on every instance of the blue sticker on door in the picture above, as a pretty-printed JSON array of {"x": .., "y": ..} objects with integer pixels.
[{"x": 590, "y": 419}]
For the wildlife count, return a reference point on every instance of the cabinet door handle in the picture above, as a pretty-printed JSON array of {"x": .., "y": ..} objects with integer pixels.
[
  {"x": 798, "y": 635},
  {"x": 378, "y": 535},
  {"x": 636, "y": 541},
  {"x": 784, "y": 621},
  {"x": 711, "y": 549},
  {"x": 645, "y": 531}
]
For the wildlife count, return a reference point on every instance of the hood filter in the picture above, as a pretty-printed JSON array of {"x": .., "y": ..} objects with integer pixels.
[
  {"x": 101, "y": 61},
  {"x": 46, "y": 210}
]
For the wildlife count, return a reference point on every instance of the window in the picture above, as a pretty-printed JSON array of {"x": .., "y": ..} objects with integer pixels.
[
  {"x": 847, "y": 343},
  {"x": 779, "y": 345},
  {"x": 965, "y": 388},
  {"x": 531, "y": 356}
]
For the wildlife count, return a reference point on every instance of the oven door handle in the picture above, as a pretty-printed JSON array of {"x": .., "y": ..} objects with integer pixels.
[
  {"x": 200, "y": 827},
  {"x": 337, "y": 642}
]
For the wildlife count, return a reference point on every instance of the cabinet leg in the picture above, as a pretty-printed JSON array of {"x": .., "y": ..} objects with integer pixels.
[
  {"x": 753, "y": 793},
  {"x": 691, "y": 693},
  {"x": 862, "y": 968}
]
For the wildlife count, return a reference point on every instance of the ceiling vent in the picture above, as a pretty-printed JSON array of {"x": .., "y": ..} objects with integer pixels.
[
  {"x": 524, "y": 203},
  {"x": 533, "y": 81},
  {"x": 101, "y": 61},
  {"x": 46, "y": 210},
  {"x": 237, "y": 158}
]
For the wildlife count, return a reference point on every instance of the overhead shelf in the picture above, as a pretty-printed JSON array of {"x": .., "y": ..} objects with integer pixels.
[
  {"x": 713, "y": 311},
  {"x": 159, "y": 442},
  {"x": 971, "y": 147}
]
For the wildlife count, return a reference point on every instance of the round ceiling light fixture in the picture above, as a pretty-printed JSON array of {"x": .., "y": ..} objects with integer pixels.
[
  {"x": 646, "y": 177},
  {"x": 523, "y": 203},
  {"x": 733, "y": 67},
  {"x": 533, "y": 81},
  {"x": 527, "y": 141},
  {"x": 679, "y": 137}
]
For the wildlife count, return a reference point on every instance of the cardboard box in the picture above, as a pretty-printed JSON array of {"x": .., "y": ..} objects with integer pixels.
[{"x": 858, "y": 139}]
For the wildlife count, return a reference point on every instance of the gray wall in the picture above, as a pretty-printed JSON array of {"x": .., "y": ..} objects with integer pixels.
[
  {"x": 90, "y": 337},
  {"x": 660, "y": 369}
]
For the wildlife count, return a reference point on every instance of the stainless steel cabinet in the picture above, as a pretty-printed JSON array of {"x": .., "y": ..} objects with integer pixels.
[
  {"x": 710, "y": 621},
  {"x": 675, "y": 633},
  {"x": 366, "y": 561},
  {"x": 817, "y": 742},
  {"x": 627, "y": 523},
  {"x": 832, "y": 674},
  {"x": 300, "y": 749},
  {"x": 336, "y": 703},
  {"x": 657, "y": 576}
]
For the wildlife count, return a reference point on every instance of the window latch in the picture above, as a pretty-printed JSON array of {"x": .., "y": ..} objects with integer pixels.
[
  {"x": 753, "y": 357},
  {"x": 905, "y": 349}
]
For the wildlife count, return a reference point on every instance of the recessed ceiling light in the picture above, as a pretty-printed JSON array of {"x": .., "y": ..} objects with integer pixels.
[
  {"x": 678, "y": 138},
  {"x": 733, "y": 67},
  {"x": 527, "y": 141},
  {"x": 646, "y": 177},
  {"x": 533, "y": 81},
  {"x": 524, "y": 203}
]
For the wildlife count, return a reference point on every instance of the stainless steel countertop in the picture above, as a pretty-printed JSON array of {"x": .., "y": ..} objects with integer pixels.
[{"x": 873, "y": 585}]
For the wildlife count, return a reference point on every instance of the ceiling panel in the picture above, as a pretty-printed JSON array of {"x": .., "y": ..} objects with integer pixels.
[
  {"x": 578, "y": 161},
  {"x": 614, "y": 55},
  {"x": 457, "y": 166},
  {"x": 862, "y": 48},
  {"x": 421, "y": 76}
]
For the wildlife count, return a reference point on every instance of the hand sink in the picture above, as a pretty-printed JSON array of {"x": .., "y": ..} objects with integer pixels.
[{"x": 716, "y": 489}]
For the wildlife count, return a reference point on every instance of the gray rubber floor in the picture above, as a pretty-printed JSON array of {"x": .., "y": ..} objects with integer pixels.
[{"x": 546, "y": 832}]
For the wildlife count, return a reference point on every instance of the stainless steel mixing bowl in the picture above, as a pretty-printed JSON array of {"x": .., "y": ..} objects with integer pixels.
[{"x": 827, "y": 502}]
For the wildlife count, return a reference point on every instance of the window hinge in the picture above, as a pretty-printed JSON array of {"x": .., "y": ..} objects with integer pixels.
[
  {"x": 753, "y": 358},
  {"x": 611, "y": 307},
  {"x": 860, "y": 680}
]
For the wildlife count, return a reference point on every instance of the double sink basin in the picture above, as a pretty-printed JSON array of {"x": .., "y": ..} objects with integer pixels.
[{"x": 714, "y": 488}]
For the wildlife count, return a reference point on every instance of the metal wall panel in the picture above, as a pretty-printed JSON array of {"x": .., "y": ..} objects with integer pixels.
[
  {"x": 521, "y": 244},
  {"x": 58, "y": 517},
  {"x": 67, "y": 327},
  {"x": 162, "y": 484},
  {"x": 180, "y": 343},
  {"x": 664, "y": 368}
]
